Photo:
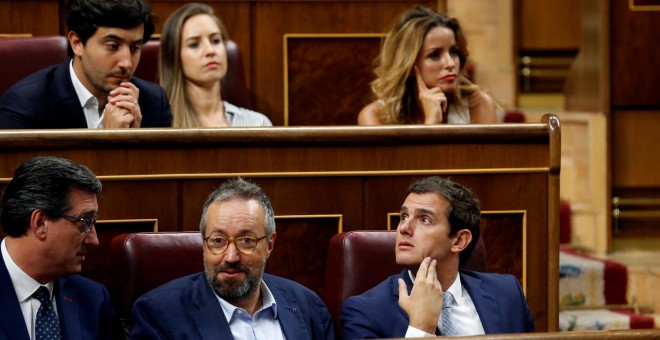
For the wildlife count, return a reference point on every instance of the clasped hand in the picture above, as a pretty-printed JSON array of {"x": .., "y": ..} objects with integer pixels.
[
  {"x": 433, "y": 100},
  {"x": 424, "y": 304},
  {"x": 123, "y": 110}
]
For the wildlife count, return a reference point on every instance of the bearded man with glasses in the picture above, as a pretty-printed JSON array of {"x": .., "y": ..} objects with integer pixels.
[
  {"x": 48, "y": 212},
  {"x": 233, "y": 298}
]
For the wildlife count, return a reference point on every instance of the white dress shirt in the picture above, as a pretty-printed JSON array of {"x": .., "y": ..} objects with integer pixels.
[
  {"x": 264, "y": 324},
  {"x": 464, "y": 313},
  {"x": 25, "y": 286},
  {"x": 88, "y": 102}
]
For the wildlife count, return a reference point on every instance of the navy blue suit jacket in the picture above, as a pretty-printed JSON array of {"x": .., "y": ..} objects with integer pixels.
[
  {"x": 47, "y": 99},
  {"x": 498, "y": 298},
  {"x": 187, "y": 308},
  {"x": 83, "y": 309}
]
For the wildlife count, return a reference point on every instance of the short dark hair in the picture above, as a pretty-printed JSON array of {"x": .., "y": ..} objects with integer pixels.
[
  {"x": 463, "y": 211},
  {"x": 43, "y": 183},
  {"x": 85, "y": 16},
  {"x": 240, "y": 189}
]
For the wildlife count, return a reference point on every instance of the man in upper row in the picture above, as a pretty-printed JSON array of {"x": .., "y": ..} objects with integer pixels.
[{"x": 96, "y": 88}]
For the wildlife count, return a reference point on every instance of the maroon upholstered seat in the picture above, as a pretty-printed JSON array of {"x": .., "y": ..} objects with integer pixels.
[
  {"x": 143, "y": 261},
  {"x": 234, "y": 86},
  {"x": 359, "y": 260},
  {"x": 20, "y": 57}
]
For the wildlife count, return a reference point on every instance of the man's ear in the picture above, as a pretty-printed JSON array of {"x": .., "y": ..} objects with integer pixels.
[
  {"x": 38, "y": 224},
  {"x": 76, "y": 43},
  {"x": 461, "y": 240},
  {"x": 271, "y": 243}
]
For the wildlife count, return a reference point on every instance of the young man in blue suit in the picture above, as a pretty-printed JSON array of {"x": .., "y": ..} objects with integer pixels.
[
  {"x": 233, "y": 298},
  {"x": 96, "y": 88},
  {"x": 438, "y": 230},
  {"x": 48, "y": 213}
]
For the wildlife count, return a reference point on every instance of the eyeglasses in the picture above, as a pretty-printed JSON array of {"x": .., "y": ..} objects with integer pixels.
[
  {"x": 87, "y": 222},
  {"x": 244, "y": 244}
]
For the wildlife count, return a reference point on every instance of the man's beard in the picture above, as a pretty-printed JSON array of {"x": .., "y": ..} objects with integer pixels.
[{"x": 231, "y": 289}]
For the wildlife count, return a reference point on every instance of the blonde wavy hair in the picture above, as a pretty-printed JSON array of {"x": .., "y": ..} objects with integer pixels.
[
  {"x": 170, "y": 70},
  {"x": 395, "y": 83}
]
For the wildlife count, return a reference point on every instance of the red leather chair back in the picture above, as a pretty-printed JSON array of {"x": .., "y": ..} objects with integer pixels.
[
  {"x": 143, "y": 261},
  {"x": 234, "y": 86},
  {"x": 359, "y": 260},
  {"x": 20, "y": 57}
]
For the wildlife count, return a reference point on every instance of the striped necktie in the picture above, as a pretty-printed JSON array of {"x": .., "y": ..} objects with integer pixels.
[
  {"x": 47, "y": 326},
  {"x": 448, "y": 326}
]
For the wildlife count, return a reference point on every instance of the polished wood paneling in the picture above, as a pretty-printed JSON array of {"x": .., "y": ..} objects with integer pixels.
[
  {"x": 587, "y": 86},
  {"x": 30, "y": 16},
  {"x": 635, "y": 51},
  {"x": 634, "y": 148},
  {"x": 359, "y": 173},
  {"x": 549, "y": 25},
  {"x": 323, "y": 90}
]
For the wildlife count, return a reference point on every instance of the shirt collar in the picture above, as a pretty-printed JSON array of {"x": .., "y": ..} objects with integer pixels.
[
  {"x": 84, "y": 96},
  {"x": 24, "y": 285},
  {"x": 230, "y": 112},
  {"x": 456, "y": 288},
  {"x": 267, "y": 301}
]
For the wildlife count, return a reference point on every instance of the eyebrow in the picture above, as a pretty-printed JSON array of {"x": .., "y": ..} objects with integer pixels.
[
  {"x": 120, "y": 39},
  {"x": 404, "y": 209},
  {"x": 217, "y": 33}
]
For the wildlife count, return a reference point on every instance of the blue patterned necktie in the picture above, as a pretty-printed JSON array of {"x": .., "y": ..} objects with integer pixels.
[
  {"x": 47, "y": 326},
  {"x": 448, "y": 326}
]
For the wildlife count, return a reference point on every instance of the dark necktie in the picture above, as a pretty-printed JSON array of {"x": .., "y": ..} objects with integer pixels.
[
  {"x": 448, "y": 326},
  {"x": 47, "y": 326}
]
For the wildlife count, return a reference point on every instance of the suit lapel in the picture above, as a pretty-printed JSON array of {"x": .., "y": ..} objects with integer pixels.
[
  {"x": 401, "y": 321},
  {"x": 289, "y": 312},
  {"x": 205, "y": 303},
  {"x": 485, "y": 303},
  {"x": 68, "y": 309},
  {"x": 69, "y": 105},
  {"x": 11, "y": 317},
  {"x": 395, "y": 289}
]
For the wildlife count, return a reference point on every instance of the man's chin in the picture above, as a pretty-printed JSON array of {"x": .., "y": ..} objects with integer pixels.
[{"x": 407, "y": 261}]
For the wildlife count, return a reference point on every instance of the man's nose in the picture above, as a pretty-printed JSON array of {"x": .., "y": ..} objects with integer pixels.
[
  {"x": 91, "y": 237},
  {"x": 405, "y": 227},
  {"x": 125, "y": 58},
  {"x": 232, "y": 254}
]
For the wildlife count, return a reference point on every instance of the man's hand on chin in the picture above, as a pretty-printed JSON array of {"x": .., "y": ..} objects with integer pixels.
[
  {"x": 424, "y": 303},
  {"x": 123, "y": 110}
]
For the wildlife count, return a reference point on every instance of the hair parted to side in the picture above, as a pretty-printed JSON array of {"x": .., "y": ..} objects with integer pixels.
[
  {"x": 240, "y": 189},
  {"x": 85, "y": 16},
  {"x": 464, "y": 208},
  {"x": 395, "y": 78},
  {"x": 43, "y": 183},
  {"x": 170, "y": 70}
]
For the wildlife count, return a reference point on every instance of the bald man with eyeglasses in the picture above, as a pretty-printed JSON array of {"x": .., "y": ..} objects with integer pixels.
[
  {"x": 233, "y": 298},
  {"x": 48, "y": 213}
]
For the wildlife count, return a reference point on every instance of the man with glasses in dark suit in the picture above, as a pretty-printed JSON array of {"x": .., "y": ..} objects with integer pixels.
[
  {"x": 233, "y": 298},
  {"x": 48, "y": 213}
]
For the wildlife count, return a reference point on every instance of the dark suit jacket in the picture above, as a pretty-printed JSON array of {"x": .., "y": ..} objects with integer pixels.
[
  {"x": 83, "y": 309},
  {"x": 498, "y": 298},
  {"x": 187, "y": 308},
  {"x": 46, "y": 99}
]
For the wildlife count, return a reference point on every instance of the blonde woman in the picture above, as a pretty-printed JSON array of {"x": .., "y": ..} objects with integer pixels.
[
  {"x": 192, "y": 62},
  {"x": 421, "y": 77}
]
